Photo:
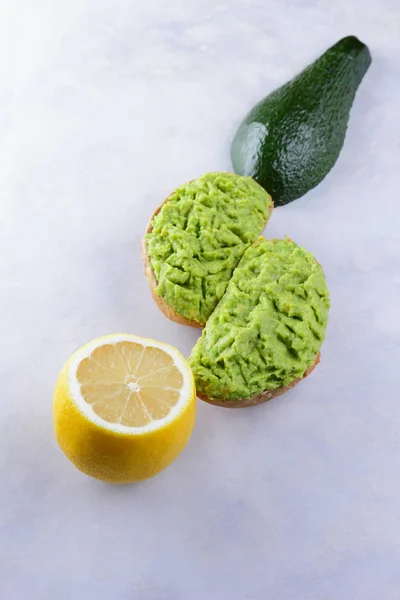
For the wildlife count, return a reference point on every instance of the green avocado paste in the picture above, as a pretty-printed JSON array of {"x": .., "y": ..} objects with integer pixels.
[
  {"x": 269, "y": 326},
  {"x": 199, "y": 237}
]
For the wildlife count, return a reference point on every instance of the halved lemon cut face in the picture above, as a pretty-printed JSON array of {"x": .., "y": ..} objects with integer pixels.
[{"x": 125, "y": 382}]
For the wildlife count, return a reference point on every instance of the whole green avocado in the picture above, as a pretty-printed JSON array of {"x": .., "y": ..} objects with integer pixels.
[{"x": 291, "y": 140}]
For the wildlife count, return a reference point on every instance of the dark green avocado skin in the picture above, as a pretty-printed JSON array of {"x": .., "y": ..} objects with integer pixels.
[{"x": 291, "y": 139}]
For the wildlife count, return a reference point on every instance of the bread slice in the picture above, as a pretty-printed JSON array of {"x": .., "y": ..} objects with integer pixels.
[
  {"x": 259, "y": 398},
  {"x": 151, "y": 278}
]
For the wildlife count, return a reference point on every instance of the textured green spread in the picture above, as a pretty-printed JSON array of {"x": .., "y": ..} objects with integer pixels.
[
  {"x": 199, "y": 237},
  {"x": 269, "y": 326}
]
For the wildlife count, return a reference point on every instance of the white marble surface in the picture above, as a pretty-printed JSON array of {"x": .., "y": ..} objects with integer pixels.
[{"x": 104, "y": 108}]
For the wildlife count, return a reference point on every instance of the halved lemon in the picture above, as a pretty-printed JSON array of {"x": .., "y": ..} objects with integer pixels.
[{"x": 124, "y": 407}]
